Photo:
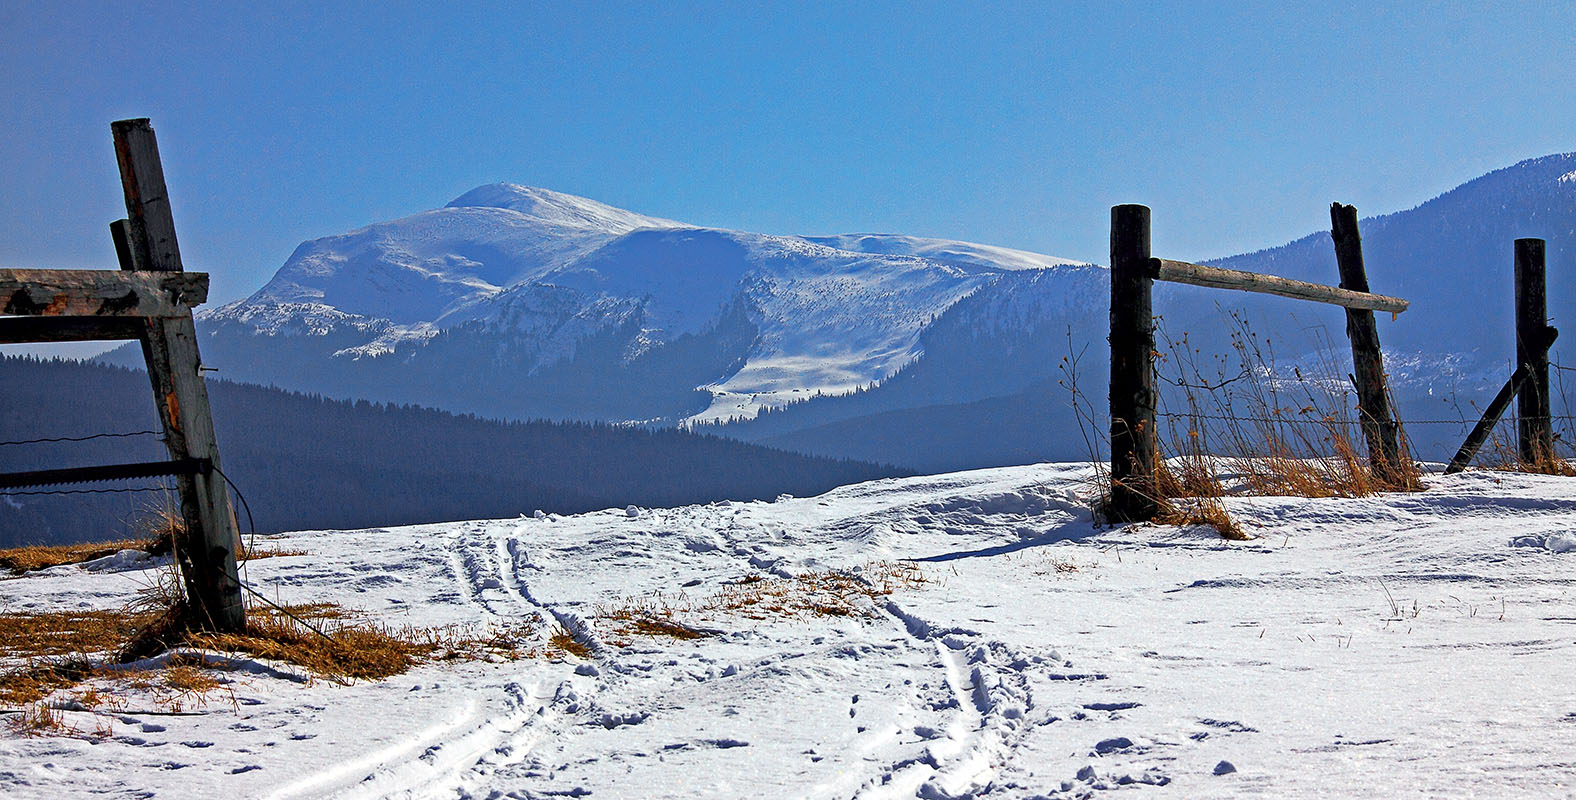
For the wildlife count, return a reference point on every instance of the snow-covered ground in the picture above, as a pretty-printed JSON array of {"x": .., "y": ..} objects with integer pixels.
[{"x": 1407, "y": 645}]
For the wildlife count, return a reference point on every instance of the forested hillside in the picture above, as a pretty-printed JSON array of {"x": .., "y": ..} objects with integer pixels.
[{"x": 308, "y": 462}]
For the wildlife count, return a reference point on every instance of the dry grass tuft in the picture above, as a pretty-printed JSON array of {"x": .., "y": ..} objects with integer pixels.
[
  {"x": 342, "y": 653},
  {"x": 563, "y": 642},
  {"x": 39, "y": 720},
  {"x": 1208, "y": 512},
  {"x": 1285, "y": 433},
  {"x": 334, "y": 642},
  {"x": 1053, "y": 565},
  {"x": 166, "y": 528},
  {"x": 37, "y": 679},
  {"x": 1504, "y": 454}
]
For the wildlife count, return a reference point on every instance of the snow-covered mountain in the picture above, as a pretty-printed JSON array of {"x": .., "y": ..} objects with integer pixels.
[
  {"x": 524, "y": 287},
  {"x": 518, "y": 302}
]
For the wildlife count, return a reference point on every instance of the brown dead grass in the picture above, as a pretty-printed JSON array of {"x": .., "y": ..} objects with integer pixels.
[
  {"x": 1053, "y": 565},
  {"x": 1504, "y": 454},
  {"x": 824, "y": 593},
  {"x": 44, "y": 634},
  {"x": 270, "y": 552},
  {"x": 77, "y": 658},
  {"x": 163, "y": 532},
  {"x": 333, "y": 642},
  {"x": 28, "y": 559}
]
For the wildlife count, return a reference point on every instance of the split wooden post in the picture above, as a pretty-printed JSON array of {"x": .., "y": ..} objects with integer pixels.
[
  {"x": 1535, "y": 439},
  {"x": 1380, "y": 429},
  {"x": 1134, "y": 441},
  {"x": 208, "y": 550}
]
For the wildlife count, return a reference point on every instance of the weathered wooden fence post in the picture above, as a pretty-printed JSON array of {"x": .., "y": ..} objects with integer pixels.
[
  {"x": 1134, "y": 441},
  {"x": 1535, "y": 440},
  {"x": 1373, "y": 397},
  {"x": 146, "y": 241}
]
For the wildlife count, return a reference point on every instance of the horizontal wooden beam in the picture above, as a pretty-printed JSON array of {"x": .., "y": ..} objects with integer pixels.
[
  {"x": 100, "y": 293},
  {"x": 110, "y": 472},
  {"x": 31, "y": 330},
  {"x": 1216, "y": 278}
]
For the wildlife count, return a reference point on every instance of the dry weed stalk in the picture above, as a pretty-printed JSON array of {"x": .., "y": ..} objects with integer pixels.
[
  {"x": 1503, "y": 453},
  {"x": 1283, "y": 435}
]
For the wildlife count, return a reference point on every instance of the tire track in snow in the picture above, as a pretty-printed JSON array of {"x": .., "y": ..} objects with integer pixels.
[
  {"x": 990, "y": 700},
  {"x": 427, "y": 764},
  {"x": 459, "y": 758}
]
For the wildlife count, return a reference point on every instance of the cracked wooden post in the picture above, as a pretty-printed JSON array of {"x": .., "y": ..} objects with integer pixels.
[
  {"x": 1134, "y": 442},
  {"x": 1535, "y": 429},
  {"x": 146, "y": 241},
  {"x": 1380, "y": 430}
]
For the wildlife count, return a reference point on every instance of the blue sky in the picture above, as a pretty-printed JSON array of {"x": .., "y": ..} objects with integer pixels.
[{"x": 1015, "y": 124}]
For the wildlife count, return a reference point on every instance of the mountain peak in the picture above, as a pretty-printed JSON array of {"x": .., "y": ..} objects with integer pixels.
[{"x": 556, "y": 208}]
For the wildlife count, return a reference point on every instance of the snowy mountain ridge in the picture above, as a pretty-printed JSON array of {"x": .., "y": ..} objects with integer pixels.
[{"x": 516, "y": 302}]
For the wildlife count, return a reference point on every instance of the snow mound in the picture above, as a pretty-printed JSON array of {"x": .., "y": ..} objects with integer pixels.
[{"x": 1561, "y": 542}]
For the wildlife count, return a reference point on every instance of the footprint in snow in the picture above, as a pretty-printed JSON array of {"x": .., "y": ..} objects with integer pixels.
[
  {"x": 1121, "y": 706},
  {"x": 1116, "y": 744}
]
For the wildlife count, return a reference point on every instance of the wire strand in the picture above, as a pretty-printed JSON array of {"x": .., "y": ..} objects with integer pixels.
[
  {"x": 1294, "y": 421},
  {"x": 88, "y": 438}
]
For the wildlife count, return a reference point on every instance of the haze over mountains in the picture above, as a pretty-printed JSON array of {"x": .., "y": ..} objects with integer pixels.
[{"x": 517, "y": 302}]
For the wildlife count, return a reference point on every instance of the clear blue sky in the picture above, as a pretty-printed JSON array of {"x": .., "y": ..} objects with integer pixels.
[{"x": 1009, "y": 124}]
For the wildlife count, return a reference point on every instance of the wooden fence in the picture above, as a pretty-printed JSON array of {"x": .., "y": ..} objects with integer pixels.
[{"x": 1134, "y": 438}]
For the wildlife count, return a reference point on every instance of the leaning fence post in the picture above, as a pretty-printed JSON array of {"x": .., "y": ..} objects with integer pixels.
[
  {"x": 209, "y": 548},
  {"x": 1373, "y": 398},
  {"x": 1134, "y": 442},
  {"x": 1535, "y": 440}
]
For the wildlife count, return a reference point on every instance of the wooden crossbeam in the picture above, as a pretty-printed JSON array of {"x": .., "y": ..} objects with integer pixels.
[
  {"x": 1162, "y": 269},
  {"x": 30, "y": 330},
  {"x": 100, "y": 293}
]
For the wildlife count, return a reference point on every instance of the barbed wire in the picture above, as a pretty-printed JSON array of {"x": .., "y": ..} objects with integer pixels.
[
  {"x": 90, "y": 437},
  {"x": 123, "y": 490}
]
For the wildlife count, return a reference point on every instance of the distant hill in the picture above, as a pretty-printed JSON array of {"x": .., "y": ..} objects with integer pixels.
[{"x": 308, "y": 462}]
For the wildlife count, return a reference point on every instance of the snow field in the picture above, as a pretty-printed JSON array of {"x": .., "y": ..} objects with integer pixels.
[{"x": 1405, "y": 645}]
